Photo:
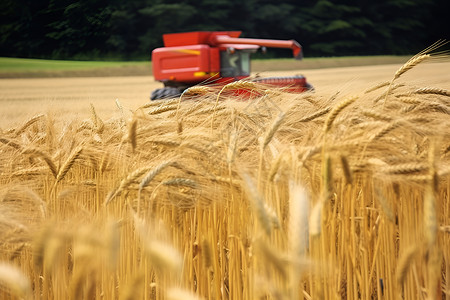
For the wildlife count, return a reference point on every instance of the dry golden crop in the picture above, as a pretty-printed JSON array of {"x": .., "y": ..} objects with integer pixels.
[{"x": 281, "y": 196}]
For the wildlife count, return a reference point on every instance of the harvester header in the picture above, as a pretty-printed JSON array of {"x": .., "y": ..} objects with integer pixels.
[{"x": 228, "y": 39}]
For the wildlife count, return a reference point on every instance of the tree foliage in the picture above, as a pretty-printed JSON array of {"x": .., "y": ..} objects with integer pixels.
[{"x": 115, "y": 29}]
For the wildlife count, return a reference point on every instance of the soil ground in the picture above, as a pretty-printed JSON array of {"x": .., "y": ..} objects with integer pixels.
[{"x": 70, "y": 98}]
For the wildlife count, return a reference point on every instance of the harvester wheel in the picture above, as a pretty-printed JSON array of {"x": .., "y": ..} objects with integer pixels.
[
  {"x": 165, "y": 93},
  {"x": 309, "y": 87}
]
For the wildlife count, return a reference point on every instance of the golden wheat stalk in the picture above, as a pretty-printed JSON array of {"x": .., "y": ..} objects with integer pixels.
[
  {"x": 315, "y": 115},
  {"x": 407, "y": 168},
  {"x": 125, "y": 183},
  {"x": 68, "y": 164},
  {"x": 45, "y": 157},
  {"x": 225, "y": 180},
  {"x": 163, "y": 108},
  {"x": 410, "y": 64},
  {"x": 132, "y": 134},
  {"x": 275, "y": 166},
  {"x": 404, "y": 265},
  {"x": 206, "y": 254},
  {"x": 376, "y": 115},
  {"x": 276, "y": 224},
  {"x": 390, "y": 89},
  {"x": 159, "y": 103},
  {"x": 29, "y": 172},
  {"x": 163, "y": 141},
  {"x": 377, "y": 86},
  {"x": 298, "y": 220},
  {"x": 163, "y": 256},
  {"x": 10, "y": 143},
  {"x": 257, "y": 204},
  {"x": 13, "y": 279},
  {"x": 180, "y": 126},
  {"x": 432, "y": 91},
  {"x": 409, "y": 100},
  {"x": 240, "y": 84},
  {"x": 272, "y": 256},
  {"x": 336, "y": 110},
  {"x": 346, "y": 169},
  {"x": 98, "y": 123},
  {"x": 119, "y": 105},
  {"x": 27, "y": 124},
  {"x": 38, "y": 153},
  {"x": 181, "y": 182},
  {"x": 430, "y": 222},
  {"x": 232, "y": 145},
  {"x": 384, "y": 205},
  {"x": 175, "y": 293},
  {"x": 154, "y": 172},
  {"x": 197, "y": 90},
  {"x": 272, "y": 129},
  {"x": 315, "y": 219},
  {"x": 327, "y": 177},
  {"x": 384, "y": 130},
  {"x": 433, "y": 106}
]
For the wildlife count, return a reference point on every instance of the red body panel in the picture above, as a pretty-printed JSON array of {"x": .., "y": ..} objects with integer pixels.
[{"x": 187, "y": 64}]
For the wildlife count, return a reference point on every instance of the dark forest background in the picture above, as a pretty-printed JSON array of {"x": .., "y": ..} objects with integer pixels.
[{"x": 129, "y": 30}]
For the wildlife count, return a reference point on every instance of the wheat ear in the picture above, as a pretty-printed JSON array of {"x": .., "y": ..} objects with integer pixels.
[
  {"x": 163, "y": 256},
  {"x": 68, "y": 164},
  {"x": 27, "y": 124},
  {"x": 13, "y": 279},
  {"x": 336, "y": 110},
  {"x": 404, "y": 265},
  {"x": 132, "y": 134},
  {"x": 377, "y": 86},
  {"x": 405, "y": 168},
  {"x": 125, "y": 183},
  {"x": 175, "y": 293},
  {"x": 271, "y": 132},
  {"x": 181, "y": 182},
  {"x": 10, "y": 143},
  {"x": 384, "y": 130},
  {"x": 315, "y": 115},
  {"x": 432, "y": 91},
  {"x": 233, "y": 85},
  {"x": 98, "y": 123},
  {"x": 346, "y": 169},
  {"x": 315, "y": 220},
  {"x": 45, "y": 157},
  {"x": 410, "y": 64},
  {"x": 153, "y": 172},
  {"x": 163, "y": 108},
  {"x": 257, "y": 203}
]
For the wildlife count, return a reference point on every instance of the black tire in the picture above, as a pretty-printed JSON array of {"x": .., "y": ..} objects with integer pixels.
[
  {"x": 309, "y": 87},
  {"x": 165, "y": 93}
]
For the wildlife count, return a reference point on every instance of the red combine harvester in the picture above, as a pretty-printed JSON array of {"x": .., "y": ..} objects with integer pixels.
[{"x": 218, "y": 57}]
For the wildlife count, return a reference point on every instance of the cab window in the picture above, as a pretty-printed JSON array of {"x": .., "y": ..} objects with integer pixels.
[{"x": 234, "y": 64}]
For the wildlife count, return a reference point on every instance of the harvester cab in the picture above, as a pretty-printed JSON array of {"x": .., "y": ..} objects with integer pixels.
[{"x": 218, "y": 57}]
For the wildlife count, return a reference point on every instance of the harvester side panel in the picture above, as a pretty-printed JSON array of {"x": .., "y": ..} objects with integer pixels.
[{"x": 185, "y": 64}]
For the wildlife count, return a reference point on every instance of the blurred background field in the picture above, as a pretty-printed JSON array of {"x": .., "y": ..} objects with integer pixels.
[{"x": 35, "y": 68}]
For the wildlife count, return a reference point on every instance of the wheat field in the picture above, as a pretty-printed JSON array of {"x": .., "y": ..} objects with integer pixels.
[{"x": 320, "y": 195}]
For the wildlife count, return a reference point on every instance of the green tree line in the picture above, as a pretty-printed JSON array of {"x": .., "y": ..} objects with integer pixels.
[{"x": 116, "y": 29}]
